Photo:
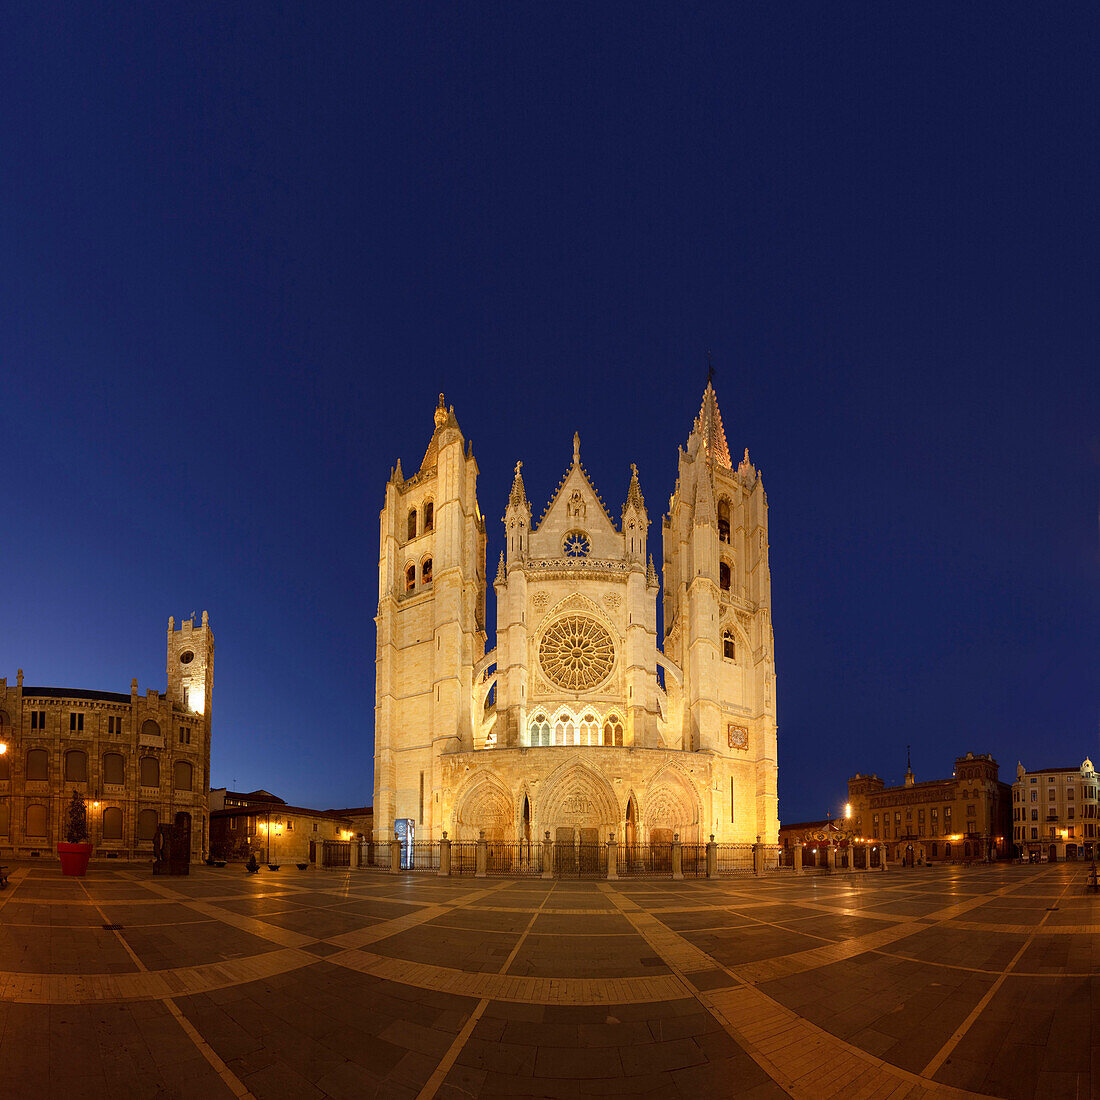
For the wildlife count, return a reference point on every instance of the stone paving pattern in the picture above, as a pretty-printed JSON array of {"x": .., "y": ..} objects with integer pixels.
[{"x": 946, "y": 981}]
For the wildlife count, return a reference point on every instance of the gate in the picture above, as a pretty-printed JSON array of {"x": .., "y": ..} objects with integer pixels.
[
  {"x": 645, "y": 859},
  {"x": 693, "y": 860},
  {"x": 335, "y": 853},
  {"x": 463, "y": 857},
  {"x": 735, "y": 859},
  {"x": 524, "y": 858}
]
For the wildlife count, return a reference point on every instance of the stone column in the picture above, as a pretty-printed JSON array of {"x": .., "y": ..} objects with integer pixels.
[
  {"x": 850, "y": 857},
  {"x": 395, "y": 856},
  {"x": 482, "y": 855},
  {"x": 612, "y": 853},
  {"x": 677, "y": 857},
  {"x": 882, "y": 857},
  {"x": 355, "y": 853},
  {"x": 712, "y": 858},
  {"x": 798, "y": 858},
  {"x": 866, "y": 857},
  {"x": 757, "y": 857},
  {"x": 830, "y": 858},
  {"x": 445, "y": 855},
  {"x": 547, "y": 856}
]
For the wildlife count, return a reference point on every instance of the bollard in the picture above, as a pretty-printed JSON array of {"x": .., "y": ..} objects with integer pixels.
[
  {"x": 482, "y": 855},
  {"x": 798, "y": 859},
  {"x": 712, "y": 858},
  {"x": 445, "y": 855},
  {"x": 757, "y": 857},
  {"x": 612, "y": 853},
  {"x": 395, "y": 856},
  {"x": 677, "y": 857},
  {"x": 356, "y": 852}
]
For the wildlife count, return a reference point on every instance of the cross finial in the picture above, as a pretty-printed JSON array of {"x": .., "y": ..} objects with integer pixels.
[
  {"x": 908, "y": 762},
  {"x": 518, "y": 467}
]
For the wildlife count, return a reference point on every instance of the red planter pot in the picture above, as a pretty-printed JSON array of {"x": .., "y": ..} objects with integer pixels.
[{"x": 74, "y": 858}]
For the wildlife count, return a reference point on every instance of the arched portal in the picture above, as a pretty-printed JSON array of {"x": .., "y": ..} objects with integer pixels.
[
  {"x": 484, "y": 804},
  {"x": 578, "y": 799},
  {"x": 671, "y": 806}
]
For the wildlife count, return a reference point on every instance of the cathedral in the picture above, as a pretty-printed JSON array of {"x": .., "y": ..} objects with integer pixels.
[{"x": 591, "y": 718}]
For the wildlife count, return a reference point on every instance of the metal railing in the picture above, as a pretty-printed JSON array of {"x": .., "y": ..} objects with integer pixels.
[
  {"x": 420, "y": 856},
  {"x": 335, "y": 853},
  {"x": 519, "y": 860},
  {"x": 735, "y": 859},
  {"x": 693, "y": 860},
  {"x": 584, "y": 860},
  {"x": 644, "y": 859},
  {"x": 463, "y": 857}
]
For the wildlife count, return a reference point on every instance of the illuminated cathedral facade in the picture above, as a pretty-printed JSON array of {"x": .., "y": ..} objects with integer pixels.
[{"x": 586, "y": 721}]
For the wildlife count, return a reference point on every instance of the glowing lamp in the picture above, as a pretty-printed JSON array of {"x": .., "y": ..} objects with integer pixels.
[
  {"x": 847, "y": 809},
  {"x": 195, "y": 700},
  {"x": 3, "y": 747}
]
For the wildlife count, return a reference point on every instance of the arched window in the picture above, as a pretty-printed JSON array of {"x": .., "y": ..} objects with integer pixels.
[
  {"x": 114, "y": 769},
  {"x": 4, "y": 719},
  {"x": 429, "y": 516},
  {"x": 5, "y": 769},
  {"x": 724, "y": 520},
  {"x": 38, "y": 765},
  {"x": 724, "y": 576},
  {"x": 613, "y": 731},
  {"x": 729, "y": 648},
  {"x": 5, "y": 817},
  {"x": 149, "y": 772},
  {"x": 412, "y": 523},
  {"x": 149, "y": 728},
  {"x": 565, "y": 733},
  {"x": 36, "y": 821},
  {"x": 410, "y": 578},
  {"x": 182, "y": 773},
  {"x": 426, "y": 572},
  {"x": 590, "y": 730},
  {"x": 112, "y": 823},
  {"x": 540, "y": 730},
  {"x": 146, "y": 825},
  {"x": 76, "y": 766}
]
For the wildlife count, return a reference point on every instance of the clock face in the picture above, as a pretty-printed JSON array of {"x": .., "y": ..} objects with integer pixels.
[{"x": 738, "y": 737}]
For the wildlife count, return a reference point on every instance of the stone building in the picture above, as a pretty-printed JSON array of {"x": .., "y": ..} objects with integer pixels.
[
  {"x": 1055, "y": 812},
  {"x": 262, "y": 823},
  {"x": 960, "y": 818},
  {"x": 586, "y": 719},
  {"x": 137, "y": 760}
]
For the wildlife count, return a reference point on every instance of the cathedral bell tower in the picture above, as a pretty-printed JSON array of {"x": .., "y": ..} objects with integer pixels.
[
  {"x": 717, "y": 622},
  {"x": 430, "y": 627}
]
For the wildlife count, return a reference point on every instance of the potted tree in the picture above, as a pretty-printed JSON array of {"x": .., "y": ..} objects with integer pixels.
[{"x": 75, "y": 851}]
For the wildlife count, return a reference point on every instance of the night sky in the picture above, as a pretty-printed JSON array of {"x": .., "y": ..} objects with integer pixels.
[{"x": 244, "y": 247}]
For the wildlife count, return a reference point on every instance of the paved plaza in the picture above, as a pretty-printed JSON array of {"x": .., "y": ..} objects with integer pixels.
[{"x": 310, "y": 984}]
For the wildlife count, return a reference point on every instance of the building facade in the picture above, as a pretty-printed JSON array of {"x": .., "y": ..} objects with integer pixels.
[
  {"x": 961, "y": 818},
  {"x": 137, "y": 760},
  {"x": 1055, "y": 812},
  {"x": 586, "y": 719}
]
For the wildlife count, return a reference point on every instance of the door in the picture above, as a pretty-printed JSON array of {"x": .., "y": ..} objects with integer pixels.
[
  {"x": 590, "y": 851},
  {"x": 565, "y": 856}
]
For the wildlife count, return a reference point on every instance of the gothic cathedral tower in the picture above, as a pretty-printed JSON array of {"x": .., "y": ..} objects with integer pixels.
[
  {"x": 431, "y": 628},
  {"x": 717, "y": 623}
]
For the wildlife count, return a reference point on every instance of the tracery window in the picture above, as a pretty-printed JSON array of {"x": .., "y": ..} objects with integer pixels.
[
  {"x": 613, "y": 731},
  {"x": 412, "y": 523},
  {"x": 576, "y": 544},
  {"x": 540, "y": 730},
  {"x": 724, "y": 520},
  {"x": 724, "y": 576},
  {"x": 576, "y": 653},
  {"x": 429, "y": 517},
  {"x": 590, "y": 730},
  {"x": 729, "y": 648}
]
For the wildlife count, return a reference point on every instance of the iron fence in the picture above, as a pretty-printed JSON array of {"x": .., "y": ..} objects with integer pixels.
[
  {"x": 336, "y": 853},
  {"x": 693, "y": 860},
  {"x": 735, "y": 859},
  {"x": 522, "y": 859},
  {"x": 420, "y": 856},
  {"x": 644, "y": 859},
  {"x": 463, "y": 857},
  {"x": 584, "y": 860}
]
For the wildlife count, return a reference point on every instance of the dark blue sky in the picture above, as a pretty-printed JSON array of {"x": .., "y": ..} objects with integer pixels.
[{"x": 242, "y": 248}]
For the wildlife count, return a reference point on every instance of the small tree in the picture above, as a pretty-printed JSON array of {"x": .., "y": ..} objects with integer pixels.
[{"x": 76, "y": 832}]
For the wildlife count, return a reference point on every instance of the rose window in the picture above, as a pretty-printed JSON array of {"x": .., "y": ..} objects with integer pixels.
[
  {"x": 576, "y": 653},
  {"x": 576, "y": 544}
]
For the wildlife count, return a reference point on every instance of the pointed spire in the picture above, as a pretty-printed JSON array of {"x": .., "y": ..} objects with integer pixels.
[
  {"x": 746, "y": 472},
  {"x": 518, "y": 496},
  {"x": 440, "y": 413},
  {"x": 634, "y": 498},
  {"x": 651, "y": 573},
  {"x": 709, "y": 424},
  {"x": 398, "y": 478},
  {"x": 502, "y": 570}
]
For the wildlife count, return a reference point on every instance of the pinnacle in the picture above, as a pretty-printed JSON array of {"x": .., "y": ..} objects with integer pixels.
[
  {"x": 518, "y": 496},
  {"x": 709, "y": 423},
  {"x": 634, "y": 498}
]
